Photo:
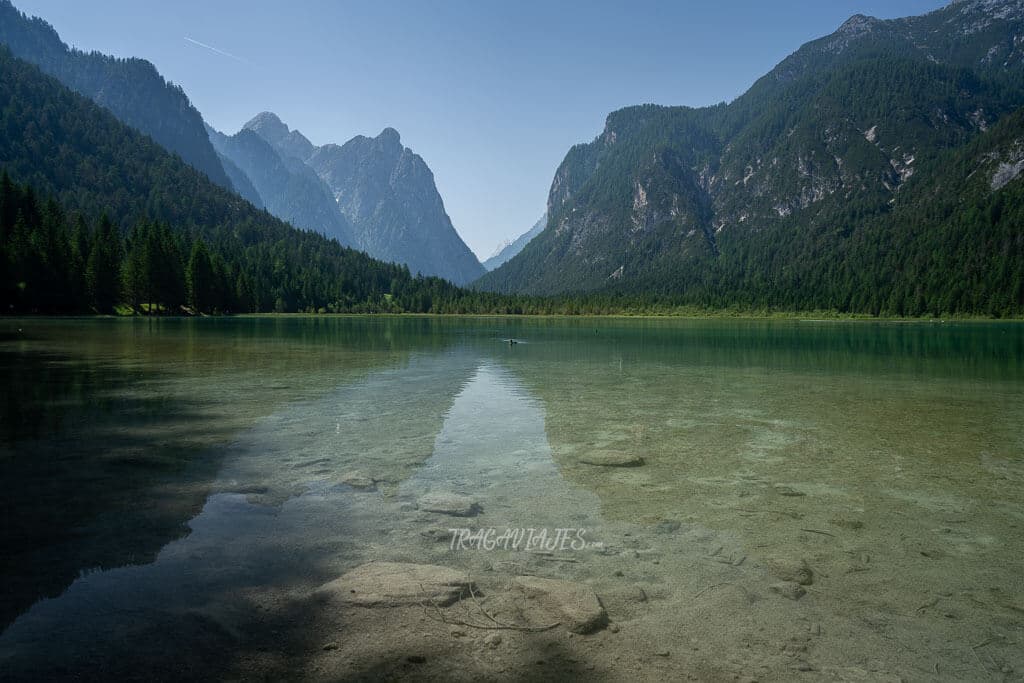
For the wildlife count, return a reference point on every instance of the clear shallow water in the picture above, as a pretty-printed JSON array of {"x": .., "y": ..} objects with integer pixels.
[{"x": 171, "y": 486}]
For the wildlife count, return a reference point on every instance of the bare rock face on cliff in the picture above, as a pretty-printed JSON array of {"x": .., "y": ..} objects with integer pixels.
[
  {"x": 388, "y": 194},
  {"x": 370, "y": 193}
]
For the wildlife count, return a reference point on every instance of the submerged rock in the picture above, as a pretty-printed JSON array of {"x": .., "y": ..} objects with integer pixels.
[
  {"x": 612, "y": 459},
  {"x": 580, "y": 609},
  {"x": 449, "y": 504},
  {"x": 788, "y": 589},
  {"x": 437, "y": 534},
  {"x": 394, "y": 584},
  {"x": 790, "y": 569},
  {"x": 667, "y": 526},
  {"x": 357, "y": 480},
  {"x": 788, "y": 491},
  {"x": 250, "y": 490},
  {"x": 843, "y": 523}
]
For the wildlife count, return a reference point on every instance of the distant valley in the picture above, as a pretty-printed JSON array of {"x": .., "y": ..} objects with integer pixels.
[{"x": 513, "y": 247}]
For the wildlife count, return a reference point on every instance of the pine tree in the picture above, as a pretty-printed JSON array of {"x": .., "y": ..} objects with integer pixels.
[
  {"x": 168, "y": 271},
  {"x": 103, "y": 270},
  {"x": 8, "y": 205},
  {"x": 24, "y": 266},
  {"x": 199, "y": 277},
  {"x": 133, "y": 270}
]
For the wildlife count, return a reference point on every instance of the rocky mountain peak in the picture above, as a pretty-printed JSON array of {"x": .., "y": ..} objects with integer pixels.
[
  {"x": 290, "y": 143},
  {"x": 268, "y": 126},
  {"x": 387, "y": 192},
  {"x": 390, "y": 139},
  {"x": 858, "y": 24}
]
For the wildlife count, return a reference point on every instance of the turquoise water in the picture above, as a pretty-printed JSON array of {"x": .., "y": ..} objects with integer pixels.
[{"x": 170, "y": 486}]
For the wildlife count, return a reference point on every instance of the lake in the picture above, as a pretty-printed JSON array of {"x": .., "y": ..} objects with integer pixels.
[{"x": 748, "y": 499}]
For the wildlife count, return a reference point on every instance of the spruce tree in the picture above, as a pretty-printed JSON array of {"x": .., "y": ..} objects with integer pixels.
[
  {"x": 103, "y": 270},
  {"x": 199, "y": 278}
]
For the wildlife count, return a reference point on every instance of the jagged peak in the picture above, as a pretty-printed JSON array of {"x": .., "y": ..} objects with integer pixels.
[
  {"x": 268, "y": 123},
  {"x": 390, "y": 135},
  {"x": 859, "y": 23},
  {"x": 265, "y": 118}
]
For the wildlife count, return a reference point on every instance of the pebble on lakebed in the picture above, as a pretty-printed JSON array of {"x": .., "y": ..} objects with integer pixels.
[
  {"x": 612, "y": 459},
  {"x": 357, "y": 480},
  {"x": 576, "y": 605},
  {"x": 788, "y": 491},
  {"x": 449, "y": 504},
  {"x": 791, "y": 569},
  {"x": 392, "y": 584},
  {"x": 437, "y": 534},
  {"x": 788, "y": 589}
]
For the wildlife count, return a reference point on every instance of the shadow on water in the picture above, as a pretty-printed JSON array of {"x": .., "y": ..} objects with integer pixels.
[
  {"x": 235, "y": 597},
  {"x": 90, "y": 478},
  {"x": 177, "y": 554},
  {"x": 290, "y": 645},
  {"x": 112, "y": 432}
]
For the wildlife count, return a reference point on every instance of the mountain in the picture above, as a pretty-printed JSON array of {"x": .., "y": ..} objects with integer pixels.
[
  {"x": 835, "y": 141},
  {"x": 239, "y": 180},
  {"x": 132, "y": 89},
  {"x": 288, "y": 143},
  {"x": 388, "y": 194},
  {"x": 510, "y": 249},
  {"x": 93, "y": 213},
  {"x": 286, "y": 187},
  {"x": 372, "y": 193}
]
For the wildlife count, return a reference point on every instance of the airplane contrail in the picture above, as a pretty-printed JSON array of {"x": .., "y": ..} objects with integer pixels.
[{"x": 218, "y": 51}]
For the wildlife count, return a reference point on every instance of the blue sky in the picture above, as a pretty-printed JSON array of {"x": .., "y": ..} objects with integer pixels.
[{"x": 491, "y": 94}]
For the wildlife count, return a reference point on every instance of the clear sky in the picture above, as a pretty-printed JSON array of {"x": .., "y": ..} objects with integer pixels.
[{"x": 491, "y": 94}]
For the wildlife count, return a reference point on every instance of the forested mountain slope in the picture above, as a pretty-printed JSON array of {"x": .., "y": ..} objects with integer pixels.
[
  {"x": 722, "y": 205},
  {"x": 132, "y": 89},
  {"x": 88, "y": 196}
]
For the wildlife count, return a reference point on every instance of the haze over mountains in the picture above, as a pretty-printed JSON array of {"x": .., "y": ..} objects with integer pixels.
[
  {"x": 396, "y": 213},
  {"x": 95, "y": 216},
  {"x": 131, "y": 89},
  {"x": 370, "y": 193},
  {"x": 513, "y": 247},
  {"x": 284, "y": 185}
]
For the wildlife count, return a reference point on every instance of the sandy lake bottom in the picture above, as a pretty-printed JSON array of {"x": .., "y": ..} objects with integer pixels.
[{"x": 353, "y": 498}]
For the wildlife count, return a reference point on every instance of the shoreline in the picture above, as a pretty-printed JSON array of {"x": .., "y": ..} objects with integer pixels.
[{"x": 804, "y": 317}]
